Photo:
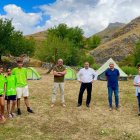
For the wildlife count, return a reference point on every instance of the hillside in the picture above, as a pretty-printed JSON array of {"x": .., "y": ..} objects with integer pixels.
[
  {"x": 110, "y": 30},
  {"x": 39, "y": 37},
  {"x": 120, "y": 44}
]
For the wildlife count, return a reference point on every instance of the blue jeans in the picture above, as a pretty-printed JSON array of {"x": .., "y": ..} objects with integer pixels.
[
  {"x": 139, "y": 100},
  {"x": 110, "y": 91}
]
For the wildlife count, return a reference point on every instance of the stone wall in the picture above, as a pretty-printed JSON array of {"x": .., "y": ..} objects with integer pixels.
[{"x": 49, "y": 65}]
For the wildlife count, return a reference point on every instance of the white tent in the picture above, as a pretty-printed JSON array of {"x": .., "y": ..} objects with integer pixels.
[{"x": 105, "y": 66}]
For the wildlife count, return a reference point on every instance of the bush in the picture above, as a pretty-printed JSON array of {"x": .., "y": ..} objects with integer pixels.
[
  {"x": 94, "y": 66},
  {"x": 128, "y": 61},
  {"x": 130, "y": 70},
  {"x": 5, "y": 59}
]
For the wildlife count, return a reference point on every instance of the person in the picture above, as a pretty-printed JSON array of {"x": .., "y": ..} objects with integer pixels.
[
  {"x": 86, "y": 81},
  {"x": 21, "y": 85},
  {"x": 2, "y": 93},
  {"x": 59, "y": 71},
  {"x": 10, "y": 93},
  {"x": 112, "y": 76},
  {"x": 137, "y": 85}
]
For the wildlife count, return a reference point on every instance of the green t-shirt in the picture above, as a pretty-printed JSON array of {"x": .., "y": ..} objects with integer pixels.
[
  {"x": 2, "y": 82},
  {"x": 59, "y": 78},
  {"x": 21, "y": 75},
  {"x": 10, "y": 85}
]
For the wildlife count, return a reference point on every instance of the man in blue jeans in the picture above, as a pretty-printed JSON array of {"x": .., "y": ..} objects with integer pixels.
[{"x": 112, "y": 76}]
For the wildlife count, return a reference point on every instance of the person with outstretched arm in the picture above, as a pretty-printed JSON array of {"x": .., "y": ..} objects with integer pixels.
[{"x": 85, "y": 78}]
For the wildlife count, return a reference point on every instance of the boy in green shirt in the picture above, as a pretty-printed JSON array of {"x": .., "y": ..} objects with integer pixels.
[
  {"x": 10, "y": 92},
  {"x": 2, "y": 93},
  {"x": 21, "y": 85}
]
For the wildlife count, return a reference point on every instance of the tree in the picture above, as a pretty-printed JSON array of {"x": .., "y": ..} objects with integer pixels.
[
  {"x": 74, "y": 35},
  {"x": 93, "y": 42},
  {"x": 137, "y": 53},
  {"x": 12, "y": 42},
  {"x": 53, "y": 48}
]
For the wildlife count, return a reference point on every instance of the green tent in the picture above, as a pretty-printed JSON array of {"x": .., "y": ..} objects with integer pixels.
[
  {"x": 33, "y": 74},
  {"x": 70, "y": 74},
  {"x": 105, "y": 66}
]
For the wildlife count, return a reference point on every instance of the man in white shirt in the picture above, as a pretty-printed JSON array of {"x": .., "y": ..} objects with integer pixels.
[{"x": 85, "y": 77}]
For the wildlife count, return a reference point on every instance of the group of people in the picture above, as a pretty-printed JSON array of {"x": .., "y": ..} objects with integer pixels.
[
  {"x": 14, "y": 84},
  {"x": 86, "y": 77}
]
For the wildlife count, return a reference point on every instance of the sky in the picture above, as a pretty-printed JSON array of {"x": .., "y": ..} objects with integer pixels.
[{"x": 93, "y": 16}]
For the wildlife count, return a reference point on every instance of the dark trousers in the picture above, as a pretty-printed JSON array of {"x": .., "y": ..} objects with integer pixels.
[
  {"x": 139, "y": 100},
  {"x": 84, "y": 86}
]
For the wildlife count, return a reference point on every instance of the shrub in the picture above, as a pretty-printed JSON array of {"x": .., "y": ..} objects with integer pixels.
[
  {"x": 130, "y": 70},
  {"x": 5, "y": 59},
  {"x": 94, "y": 66},
  {"x": 128, "y": 61}
]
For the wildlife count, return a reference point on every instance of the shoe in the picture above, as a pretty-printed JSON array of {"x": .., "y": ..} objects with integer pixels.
[
  {"x": 87, "y": 105},
  {"x": 110, "y": 108},
  {"x": 29, "y": 110},
  {"x": 78, "y": 105},
  {"x": 139, "y": 114},
  {"x": 2, "y": 118},
  {"x": 9, "y": 116},
  {"x": 18, "y": 112},
  {"x": 117, "y": 108},
  {"x": 52, "y": 105},
  {"x": 63, "y": 104},
  {"x": 13, "y": 115}
]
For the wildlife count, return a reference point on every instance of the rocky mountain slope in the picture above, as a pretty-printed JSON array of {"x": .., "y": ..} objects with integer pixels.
[
  {"x": 120, "y": 44},
  {"x": 110, "y": 30}
]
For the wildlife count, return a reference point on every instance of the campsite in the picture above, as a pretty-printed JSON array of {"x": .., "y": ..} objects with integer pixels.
[
  {"x": 63, "y": 63},
  {"x": 72, "y": 123}
]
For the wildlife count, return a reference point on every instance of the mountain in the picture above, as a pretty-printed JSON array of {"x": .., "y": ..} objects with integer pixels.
[
  {"x": 39, "y": 37},
  {"x": 120, "y": 44},
  {"x": 110, "y": 30}
]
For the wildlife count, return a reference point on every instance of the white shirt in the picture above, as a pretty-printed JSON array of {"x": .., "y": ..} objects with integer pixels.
[{"x": 87, "y": 75}]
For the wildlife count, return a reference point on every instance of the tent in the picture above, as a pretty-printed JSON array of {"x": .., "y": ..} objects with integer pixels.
[
  {"x": 70, "y": 74},
  {"x": 105, "y": 66},
  {"x": 33, "y": 74}
]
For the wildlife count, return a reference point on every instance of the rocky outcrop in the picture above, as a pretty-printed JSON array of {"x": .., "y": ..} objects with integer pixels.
[
  {"x": 125, "y": 29},
  {"x": 117, "y": 49},
  {"x": 116, "y": 24}
]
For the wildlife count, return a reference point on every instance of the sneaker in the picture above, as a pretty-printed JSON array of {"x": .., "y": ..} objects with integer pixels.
[
  {"x": 9, "y": 116},
  {"x": 63, "y": 104},
  {"x": 110, "y": 108},
  {"x": 29, "y": 110},
  {"x": 52, "y": 105},
  {"x": 18, "y": 112},
  {"x": 3, "y": 119},
  {"x": 13, "y": 115},
  {"x": 78, "y": 105}
]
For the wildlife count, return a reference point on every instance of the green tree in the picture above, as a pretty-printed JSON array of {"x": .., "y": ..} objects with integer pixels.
[
  {"x": 95, "y": 42},
  {"x": 12, "y": 42},
  {"x": 53, "y": 48},
  {"x": 137, "y": 53},
  {"x": 74, "y": 35}
]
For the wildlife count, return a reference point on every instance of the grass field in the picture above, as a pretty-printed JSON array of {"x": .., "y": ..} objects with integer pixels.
[{"x": 72, "y": 123}]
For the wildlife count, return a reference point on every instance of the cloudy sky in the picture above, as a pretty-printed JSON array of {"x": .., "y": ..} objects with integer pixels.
[{"x": 91, "y": 15}]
